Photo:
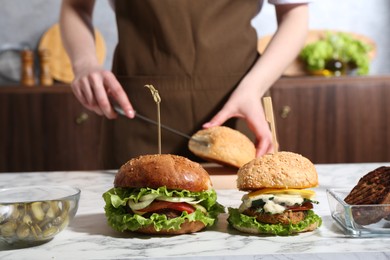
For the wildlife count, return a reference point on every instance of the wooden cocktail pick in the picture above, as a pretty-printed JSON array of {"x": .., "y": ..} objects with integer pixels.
[
  {"x": 157, "y": 99},
  {"x": 269, "y": 116}
]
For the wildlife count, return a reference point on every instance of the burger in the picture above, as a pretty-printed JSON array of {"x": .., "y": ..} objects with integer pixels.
[
  {"x": 277, "y": 202},
  {"x": 161, "y": 194}
]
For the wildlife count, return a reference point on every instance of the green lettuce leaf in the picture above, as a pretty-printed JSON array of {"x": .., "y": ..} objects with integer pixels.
[
  {"x": 118, "y": 217},
  {"x": 241, "y": 220},
  {"x": 339, "y": 46}
]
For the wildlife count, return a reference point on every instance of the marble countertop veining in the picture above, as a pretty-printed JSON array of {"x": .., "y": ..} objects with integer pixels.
[{"x": 89, "y": 237}]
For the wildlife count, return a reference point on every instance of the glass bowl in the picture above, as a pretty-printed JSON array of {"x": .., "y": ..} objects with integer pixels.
[
  {"x": 35, "y": 214},
  {"x": 358, "y": 220}
]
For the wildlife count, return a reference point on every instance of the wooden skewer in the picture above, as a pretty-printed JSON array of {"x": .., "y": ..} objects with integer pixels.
[
  {"x": 157, "y": 99},
  {"x": 269, "y": 116}
]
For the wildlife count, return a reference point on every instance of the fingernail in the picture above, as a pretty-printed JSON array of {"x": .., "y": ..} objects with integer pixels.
[
  {"x": 208, "y": 125},
  {"x": 130, "y": 113}
]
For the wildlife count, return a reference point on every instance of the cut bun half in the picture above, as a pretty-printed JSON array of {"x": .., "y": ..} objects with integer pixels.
[{"x": 226, "y": 146}]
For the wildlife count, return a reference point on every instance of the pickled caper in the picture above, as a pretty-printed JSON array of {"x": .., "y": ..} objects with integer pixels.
[
  {"x": 4, "y": 212},
  {"x": 27, "y": 219},
  {"x": 49, "y": 232},
  {"x": 65, "y": 210},
  {"x": 46, "y": 226},
  {"x": 57, "y": 221},
  {"x": 8, "y": 228},
  {"x": 33, "y": 221},
  {"x": 65, "y": 207},
  {"x": 45, "y": 206},
  {"x": 15, "y": 212},
  {"x": 64, "y": 223},
  {"x": 37, "y": 211},
  {"x": 50, "y": 213},
  {"x": 23, "y": 231},
  {"x": 46, "y": 222},
  {"x": 36, "y": 231},
  {"x": 54, "y": 207}
]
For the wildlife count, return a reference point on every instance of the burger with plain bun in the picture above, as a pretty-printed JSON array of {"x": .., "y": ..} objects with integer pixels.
[
  {"x": 277, "y": 202},
  {"x": 161, "y": 194}
]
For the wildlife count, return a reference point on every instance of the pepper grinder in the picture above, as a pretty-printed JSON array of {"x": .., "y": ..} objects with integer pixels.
[
  {"x": 45, "y": 77},
  {"x": 27, "y": 59}
]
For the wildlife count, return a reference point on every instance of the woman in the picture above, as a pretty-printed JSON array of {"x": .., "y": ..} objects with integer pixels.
[{"x": 200, "y": 55}]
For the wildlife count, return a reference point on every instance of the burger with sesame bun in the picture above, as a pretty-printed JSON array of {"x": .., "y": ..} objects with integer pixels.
[
  {"x": 277, "y": 202},
  {"x": 161, "y": 194}
]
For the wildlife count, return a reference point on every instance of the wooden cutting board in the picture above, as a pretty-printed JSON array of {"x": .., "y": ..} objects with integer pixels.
[
  {"x": 297, "y": 67},
  {"x": 59, "y": 62}
]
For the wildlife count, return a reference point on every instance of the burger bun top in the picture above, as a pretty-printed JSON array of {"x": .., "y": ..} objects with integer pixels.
[
  {"x": 281, "y": 170},
  {"x": 157, "y": 170}
]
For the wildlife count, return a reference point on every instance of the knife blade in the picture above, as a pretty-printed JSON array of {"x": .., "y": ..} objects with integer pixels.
[{"x": 120, "y": 111}]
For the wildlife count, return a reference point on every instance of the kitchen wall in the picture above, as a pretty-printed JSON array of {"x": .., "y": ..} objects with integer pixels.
[{"x": 26, "y": 21}]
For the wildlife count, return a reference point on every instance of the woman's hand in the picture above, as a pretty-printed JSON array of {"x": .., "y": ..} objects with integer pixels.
[
  {"x": 93, "y": 86},
  {"x": 96, "y": 88},
  {"x": 245, "y": 103}
]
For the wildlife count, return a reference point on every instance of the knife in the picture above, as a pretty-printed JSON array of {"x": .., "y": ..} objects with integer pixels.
[{"x": 120, "y": 111}]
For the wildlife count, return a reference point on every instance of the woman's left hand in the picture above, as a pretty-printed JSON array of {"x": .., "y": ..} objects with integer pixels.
[{"x": 246, "y": 104}]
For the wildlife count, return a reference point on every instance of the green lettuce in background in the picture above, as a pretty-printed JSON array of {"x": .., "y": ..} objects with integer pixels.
[{"x": 337, "y": 46}]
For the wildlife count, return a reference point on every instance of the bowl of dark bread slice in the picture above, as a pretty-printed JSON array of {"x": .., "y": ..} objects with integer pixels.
[{"x": 363, "y": 211}]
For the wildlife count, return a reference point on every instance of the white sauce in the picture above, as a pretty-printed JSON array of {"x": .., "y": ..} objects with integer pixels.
[{"x": 272, "y": 206}]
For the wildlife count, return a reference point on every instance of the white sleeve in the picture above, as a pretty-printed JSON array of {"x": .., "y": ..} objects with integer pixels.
[{"x": 281, "y": 2}]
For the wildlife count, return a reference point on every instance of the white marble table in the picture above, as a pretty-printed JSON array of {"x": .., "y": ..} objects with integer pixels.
[{"x": 89, "y": 237}]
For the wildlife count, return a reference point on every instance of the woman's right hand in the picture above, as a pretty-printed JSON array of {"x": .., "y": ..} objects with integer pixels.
[
  {"x": 96, "y": 88},
  {"x": 93, "y": 86}
]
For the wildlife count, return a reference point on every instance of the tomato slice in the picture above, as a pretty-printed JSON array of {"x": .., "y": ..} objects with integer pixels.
[
  {"x": 159, "y": 205},
  {"x": 304, "y": 206}
]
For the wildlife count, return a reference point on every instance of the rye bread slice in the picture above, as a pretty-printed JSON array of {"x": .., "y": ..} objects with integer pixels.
[{"x": 372, "y": 189}]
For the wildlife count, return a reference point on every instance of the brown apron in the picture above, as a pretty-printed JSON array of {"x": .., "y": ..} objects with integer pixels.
[{"x": 193, "y": 52}]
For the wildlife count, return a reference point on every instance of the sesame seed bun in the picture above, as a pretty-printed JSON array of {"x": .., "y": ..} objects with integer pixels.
[
  {"x": 226, "y": 146},
  {"x": 281, "y": 170}
]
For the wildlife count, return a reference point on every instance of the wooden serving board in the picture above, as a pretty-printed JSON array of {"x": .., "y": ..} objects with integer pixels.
[
  {"x": 221, "y": 177},
  {"x": 59, "y": 63}
]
